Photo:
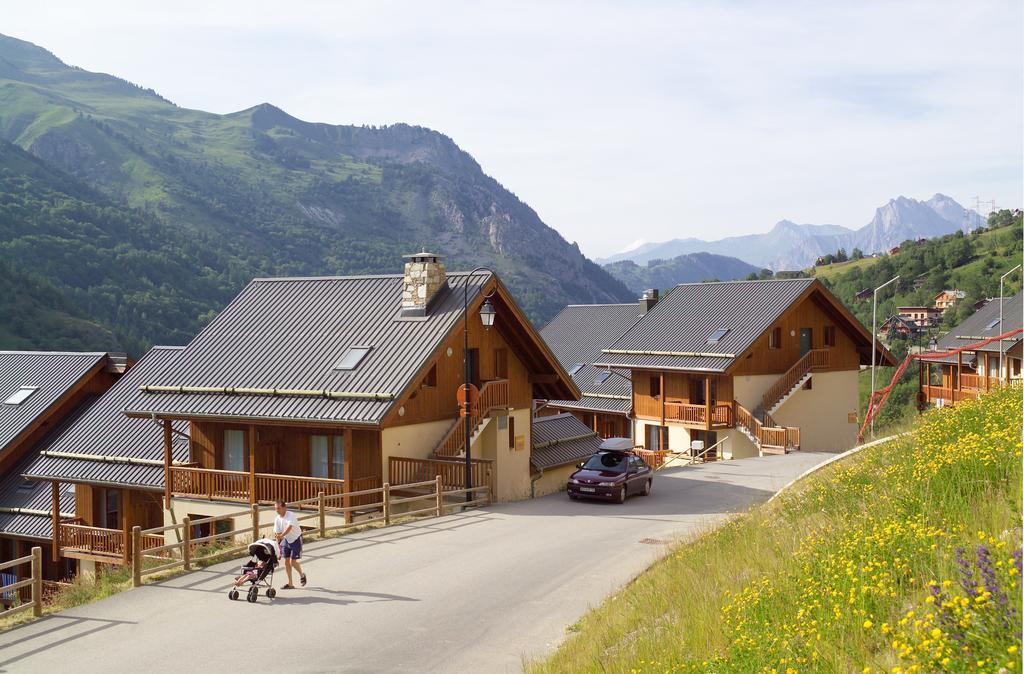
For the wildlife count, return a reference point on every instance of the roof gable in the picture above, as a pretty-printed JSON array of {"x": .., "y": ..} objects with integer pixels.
[
  {"x": 53, "y": 374},
  {"x": 675, "y": 333}
]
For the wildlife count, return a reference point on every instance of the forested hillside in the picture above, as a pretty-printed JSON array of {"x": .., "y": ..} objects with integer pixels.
[{"x": 145, "y": 217}]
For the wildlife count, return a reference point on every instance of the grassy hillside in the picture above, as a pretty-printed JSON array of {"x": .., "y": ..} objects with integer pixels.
[
  {"x": 904, "y": 558},
  {"x": 259, "y": 192}
]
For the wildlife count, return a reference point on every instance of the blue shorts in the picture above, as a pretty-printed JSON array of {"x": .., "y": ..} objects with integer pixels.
[{"x": 292, "y": 550}]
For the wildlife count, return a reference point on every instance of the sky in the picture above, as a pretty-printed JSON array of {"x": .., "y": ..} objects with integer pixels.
[{"x": 615, "y": 121}]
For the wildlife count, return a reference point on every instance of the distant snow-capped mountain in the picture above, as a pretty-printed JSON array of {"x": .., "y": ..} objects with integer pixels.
[{"x": 789, "y": 245}]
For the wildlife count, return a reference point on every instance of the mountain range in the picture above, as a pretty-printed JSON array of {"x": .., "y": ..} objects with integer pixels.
[
  {"x": 688, "y": 268},
  {"x": 129, "y": 220},
  {"x": 792, "y": 246}
]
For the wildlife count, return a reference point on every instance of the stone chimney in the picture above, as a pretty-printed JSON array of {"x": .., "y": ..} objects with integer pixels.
[
  {"x": 649, "y": 299},
  {"x": 424, "y": 277}
]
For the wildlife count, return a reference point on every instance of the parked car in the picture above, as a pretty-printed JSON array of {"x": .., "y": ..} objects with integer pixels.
[{"x": 611, "y": 475}]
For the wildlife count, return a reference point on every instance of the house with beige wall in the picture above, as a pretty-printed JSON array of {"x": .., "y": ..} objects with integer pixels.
[{"x": 745, "y": 368}]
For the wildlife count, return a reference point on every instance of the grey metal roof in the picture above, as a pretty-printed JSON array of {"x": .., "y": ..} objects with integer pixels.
[
  {"x": 288, "y": 333},
  {"x": 684, "y": 319},
  {"x": 561, "y": 439},
  {"x": 577, "y": 335},
  {"x": 104, "y": 431},
  {"x": 53, "y": 372},
  {"x": 17, "y": 492},
  {"x": 974, "y": 327},
  {"x": 595, "y": 404}
]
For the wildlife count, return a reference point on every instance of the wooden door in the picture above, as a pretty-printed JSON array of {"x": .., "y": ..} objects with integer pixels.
[
  {"x": 806, "y": 340},
  {"x": 474, "y": 367}
]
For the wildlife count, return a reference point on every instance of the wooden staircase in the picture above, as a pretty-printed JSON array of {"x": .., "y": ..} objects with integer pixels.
[
  {"x": 493, "y": 395},
  {"x": 793, "y": 379},
  {"x": 767, "y": 436}
]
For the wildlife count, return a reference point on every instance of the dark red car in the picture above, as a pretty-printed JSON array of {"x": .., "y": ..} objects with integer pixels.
[{"x": 611, "y": 475}]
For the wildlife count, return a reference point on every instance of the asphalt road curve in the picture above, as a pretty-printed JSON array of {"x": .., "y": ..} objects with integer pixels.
[{"x": 481, "y": 591}]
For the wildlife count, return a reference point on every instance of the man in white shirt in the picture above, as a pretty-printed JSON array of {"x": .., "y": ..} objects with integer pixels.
[{"x": 289, "y": 536}]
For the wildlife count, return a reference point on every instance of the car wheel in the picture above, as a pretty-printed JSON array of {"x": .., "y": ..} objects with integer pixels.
[
  {"x": 573, "y": 497},
  {"x": 623, "y": 494},
  {"x": 647, "y": 487}
]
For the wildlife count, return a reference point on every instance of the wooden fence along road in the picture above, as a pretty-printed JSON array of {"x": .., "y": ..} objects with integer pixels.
[
  {"x": 35, "y": 581},
  {"x": 147, "y": 558}
]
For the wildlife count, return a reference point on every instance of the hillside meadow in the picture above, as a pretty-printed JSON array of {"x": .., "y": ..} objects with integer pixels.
[{"x": 904, "y": 557}]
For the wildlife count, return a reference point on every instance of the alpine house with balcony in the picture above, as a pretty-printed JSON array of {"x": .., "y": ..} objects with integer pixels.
[
  {"x": 339, "y": 384},
  {"x": 746, "y": 368}
]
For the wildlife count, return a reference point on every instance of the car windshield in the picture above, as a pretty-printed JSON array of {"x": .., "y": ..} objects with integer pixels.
[{"x": 610, "y": 462}]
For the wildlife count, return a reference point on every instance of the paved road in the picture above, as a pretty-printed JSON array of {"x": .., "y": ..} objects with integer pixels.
[{"x": 481, "y": 591}]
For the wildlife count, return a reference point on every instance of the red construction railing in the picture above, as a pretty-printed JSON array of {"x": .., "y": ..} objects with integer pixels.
[{"x": 881, "y": 396}]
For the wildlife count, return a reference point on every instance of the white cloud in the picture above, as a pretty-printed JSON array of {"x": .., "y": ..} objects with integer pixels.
[{"x": 614, "y": 120}]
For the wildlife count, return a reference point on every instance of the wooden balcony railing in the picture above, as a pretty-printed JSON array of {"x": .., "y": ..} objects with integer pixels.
[
  {"x": 403, "y": 470},
  {"x": 774, "y": 436},
  {"x": 99, "y": 543},
  {"x": 493, "y": 395},
  {"x": 978, "y": 382},
  {"x": 697, "y": 415},
  {"x": 230, "y": 485},
  {"x": 949, "y": 396},
  {"x": 815, "y": 359}
]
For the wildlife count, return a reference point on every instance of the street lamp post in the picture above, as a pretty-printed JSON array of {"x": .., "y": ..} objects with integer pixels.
[
  {"x": 874, "y": 350},
  {"x": 487, "y": 318},
  {"x": 1001, "y": 331}
]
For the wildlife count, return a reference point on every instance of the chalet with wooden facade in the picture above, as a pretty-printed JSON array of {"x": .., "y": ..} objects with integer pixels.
[
  {"x": 113, "y": 466},
  {"x": 969, "y": 374},
  {"x": 745, "y": 367},
  {"x": 334, "y": 385},
  {"x": 947, "y": 298},
  {"x": 577, "y": 335},
  {"x": 40, "y": 393},
  {"x": 921, "y": 317}
]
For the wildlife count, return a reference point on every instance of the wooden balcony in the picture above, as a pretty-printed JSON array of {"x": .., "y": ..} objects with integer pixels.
[
  {"x": 79, "y": 541},
  {"x": 696, "y": 416},
  {"x": 949, "y": 396},
  {"x": 243, "y": 487}
]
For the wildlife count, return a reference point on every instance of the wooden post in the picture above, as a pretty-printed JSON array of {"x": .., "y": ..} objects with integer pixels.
[
  {"x": 136, "y": 556},
  {"x": 186, "y": 543},
  {"x": 167, "y": 464},
  {"x": 323, "y": 516},
  {"x": 347, "y": 485},
  {"x": 387, "y": 504},
  {"x": 959, "y": 370},
  {"x": 255, "y": 522},
  {"x": 439, "y": 495},
  {"x": 661, "y": 389},
  {"x": 126, "y": 554},
  {"x": 707, "y": 402},
  {"x": 252, "y": 464},
  {"x": 55, "y": 519},
  {"x": 37, "y": 581}
]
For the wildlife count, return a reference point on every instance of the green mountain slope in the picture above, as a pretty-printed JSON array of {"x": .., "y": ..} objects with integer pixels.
[
  {"x": 259, "y": 192},
  {"x": 689, "y": 268}
]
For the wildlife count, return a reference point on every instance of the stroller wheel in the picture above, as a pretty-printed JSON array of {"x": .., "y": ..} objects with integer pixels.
[
  {"x": 232, "y": 594},
  {"x": 271, "y": 593},
  {"x": 251, "y": 597}
]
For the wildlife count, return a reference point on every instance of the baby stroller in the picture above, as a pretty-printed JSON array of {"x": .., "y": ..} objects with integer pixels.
[{"x": 259, "y": 570}]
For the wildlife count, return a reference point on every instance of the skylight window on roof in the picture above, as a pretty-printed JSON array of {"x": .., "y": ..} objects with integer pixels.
[
  {"x": 26, "y": 486},
  {"x": 351, "y": 358},
  {"x": 602, "y": 377},
  {"x": 575, "y": 368},
  {"x": 21, "y": 395},
  {"x": 717, "y": 335},
  {"x": 993, "y": 324}
]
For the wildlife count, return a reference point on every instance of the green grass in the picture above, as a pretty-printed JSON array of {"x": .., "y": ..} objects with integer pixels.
[
  {"x": 837, "y": 574},
  {"x": 832, "y": 270}
]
